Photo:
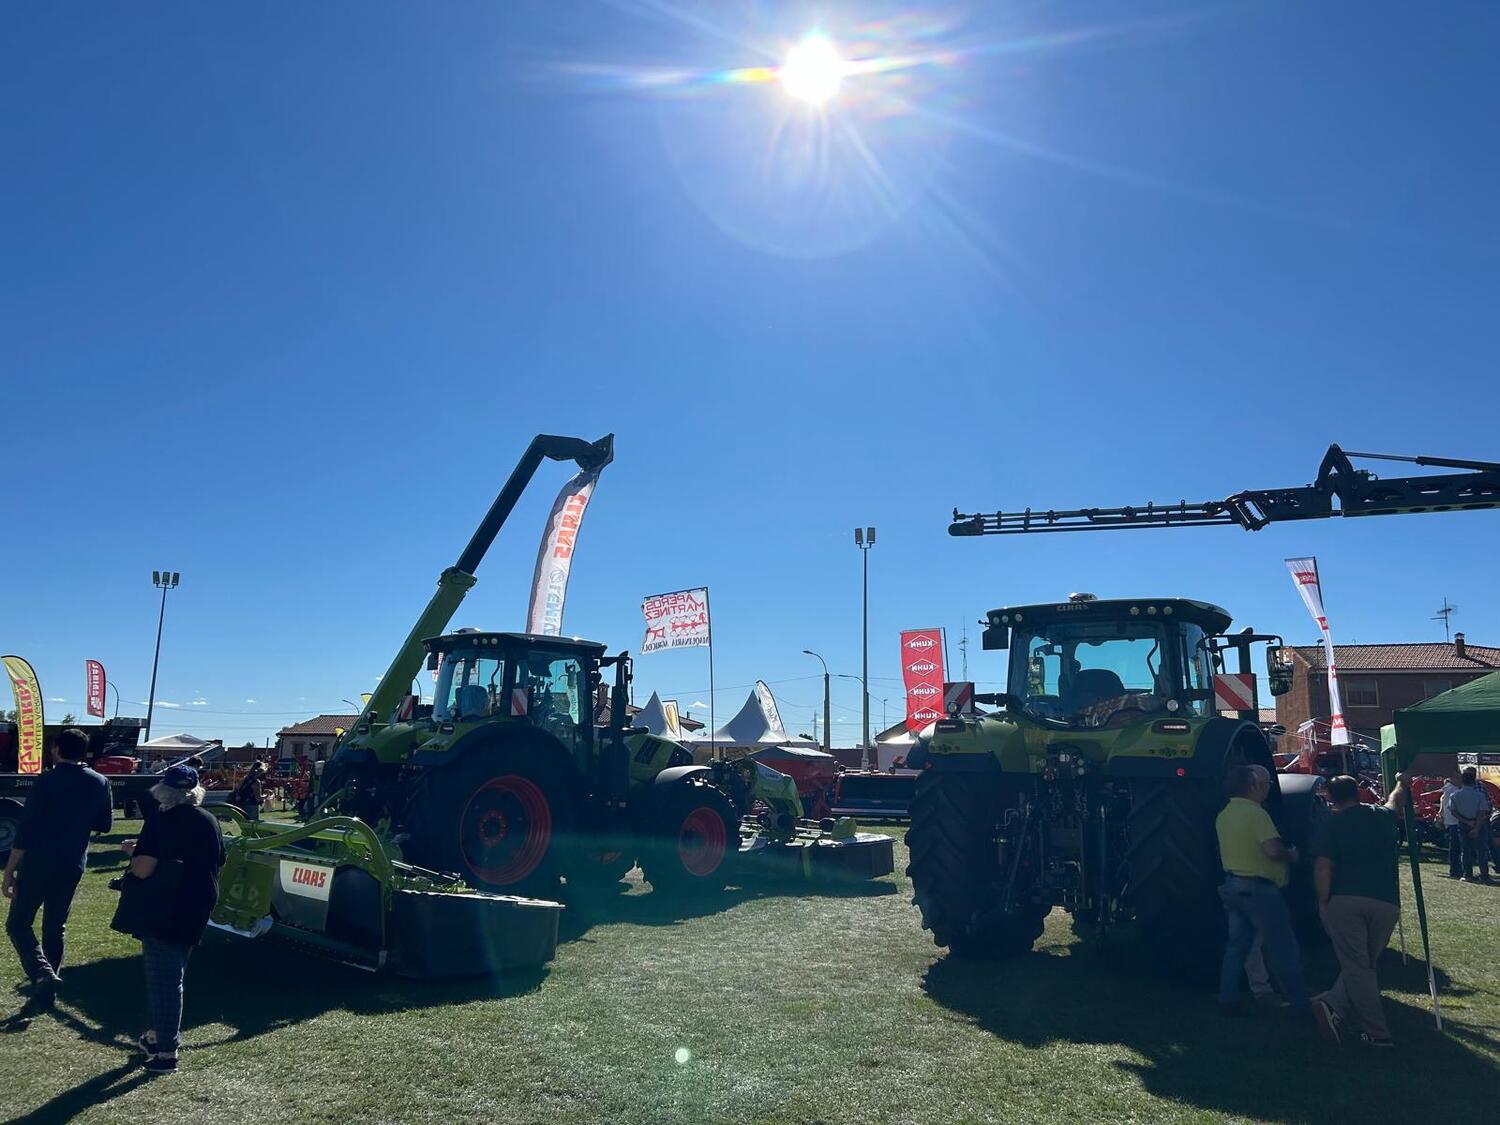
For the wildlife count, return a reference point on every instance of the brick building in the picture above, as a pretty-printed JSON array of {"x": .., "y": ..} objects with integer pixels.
[
  {"x": 1378, "y": 680},
  {"x": 314, "y": 738}
]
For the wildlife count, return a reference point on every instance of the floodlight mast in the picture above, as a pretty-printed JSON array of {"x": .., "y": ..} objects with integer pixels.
[{"x": 1359, "y": 492}]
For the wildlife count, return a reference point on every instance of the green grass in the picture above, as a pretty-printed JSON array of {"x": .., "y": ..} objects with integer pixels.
[{"x": 833, "y": 1009}]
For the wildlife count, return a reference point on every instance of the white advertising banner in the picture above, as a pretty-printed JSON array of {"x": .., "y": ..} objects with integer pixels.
[
  {"x": 768, "y": 705},
  {"x": 554, "y": 561},
  {"x": 1305, "y": 575},
  {"x": 676, "y": 620}
]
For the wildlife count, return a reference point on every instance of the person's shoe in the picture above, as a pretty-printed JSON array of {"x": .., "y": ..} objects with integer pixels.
[
  {"x": 1486, "y": 880},
  {"x": 147, "y": 1043},
  {"x": 1271, "y": 1000},
  {"x": 161, "y": 1063},
  {"x": 1327, "y": 1020},
  {"x": 1368, "y": 1040},
  {"x": 1454, "y": 875}
]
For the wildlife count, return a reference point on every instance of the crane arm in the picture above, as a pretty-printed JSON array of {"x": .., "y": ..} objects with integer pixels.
[
  {"x": 457, "y": 580},
  {"x": 1359, "y": 492}
]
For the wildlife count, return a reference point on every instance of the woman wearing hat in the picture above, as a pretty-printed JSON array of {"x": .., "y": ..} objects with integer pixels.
[{"x": 184, "y": 845}]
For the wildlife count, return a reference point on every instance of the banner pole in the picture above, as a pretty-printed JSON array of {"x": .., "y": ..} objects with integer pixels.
[
  {"x": 1414, "y": 851},
  {"x": 713, "y": 726}
]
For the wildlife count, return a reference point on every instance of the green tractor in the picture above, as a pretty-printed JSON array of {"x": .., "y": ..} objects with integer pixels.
[
  {"x": 440, "y": 833},
  {"x": 1096, "y": 784}
]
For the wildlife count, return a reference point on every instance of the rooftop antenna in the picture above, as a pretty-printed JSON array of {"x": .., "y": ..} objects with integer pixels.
[
  {"x": 1443, "y": 615},
  {"x": 963, "y": 648}
]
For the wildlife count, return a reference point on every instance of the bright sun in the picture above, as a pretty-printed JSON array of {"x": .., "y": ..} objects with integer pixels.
[{"x": 812, "y": 71}]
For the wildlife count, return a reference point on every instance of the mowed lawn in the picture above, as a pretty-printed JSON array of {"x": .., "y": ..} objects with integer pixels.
[{"x": 833, "y": 1008}]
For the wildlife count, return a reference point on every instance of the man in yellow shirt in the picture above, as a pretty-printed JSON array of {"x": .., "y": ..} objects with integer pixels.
[{"x": 1255, "y": 867}]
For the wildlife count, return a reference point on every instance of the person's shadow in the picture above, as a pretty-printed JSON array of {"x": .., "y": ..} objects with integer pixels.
[
  {"x": 86, "y": 1095},
  {"x": 1267, "y": 1066}
]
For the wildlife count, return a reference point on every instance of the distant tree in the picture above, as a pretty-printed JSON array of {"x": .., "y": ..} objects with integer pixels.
[
  {"x": 69, "y": 719},
  {"x": 7, "y": 716}
]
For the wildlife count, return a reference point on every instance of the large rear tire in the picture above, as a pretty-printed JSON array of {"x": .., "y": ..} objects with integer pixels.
[
  {"x": 497, "y": 818},
  {"x": 695, "y": 837},
  {"x": 1172, "y": 871},
  {"x": 955, "y": 870}
]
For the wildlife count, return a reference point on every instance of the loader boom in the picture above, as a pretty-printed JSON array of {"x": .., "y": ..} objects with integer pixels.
[
  {"x": 457, "y": 580},
  {"x": 1359, "y": 492}
]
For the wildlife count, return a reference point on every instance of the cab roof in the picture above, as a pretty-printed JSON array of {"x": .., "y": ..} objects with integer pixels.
[
  {"x": 1211, "y": 618},
  {"x": 479, "y": 638}
]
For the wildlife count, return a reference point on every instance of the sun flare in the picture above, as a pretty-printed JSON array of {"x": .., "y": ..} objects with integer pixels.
[{"x": 813, "y": 71}]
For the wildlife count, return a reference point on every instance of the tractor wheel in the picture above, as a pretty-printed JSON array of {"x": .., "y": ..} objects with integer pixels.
[
  {"x": 955, "y": 872},
  {"x": 1172, "y": 870},
  {"x": 495, "y": 818},
  {"x": 695, "y": 837}
]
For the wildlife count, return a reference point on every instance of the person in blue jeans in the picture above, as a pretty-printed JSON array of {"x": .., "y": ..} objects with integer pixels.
[
  {"x": 1256, "y": 863},
  {"x": 184, "y": 844}
]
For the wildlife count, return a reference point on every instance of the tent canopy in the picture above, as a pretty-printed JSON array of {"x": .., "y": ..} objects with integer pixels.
[
  {"x": 656, "y": 719},
  {"x": 752, "y": 728},
  {"x": 187, "y": 743},
  {"x": 1467, "y": 718}
]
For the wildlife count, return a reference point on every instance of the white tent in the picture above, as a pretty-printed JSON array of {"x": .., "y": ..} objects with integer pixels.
[
  {"x": 183, "y": 745},
  {"x": 657, "y": 719},
  {"x": 751, "y": 729}
]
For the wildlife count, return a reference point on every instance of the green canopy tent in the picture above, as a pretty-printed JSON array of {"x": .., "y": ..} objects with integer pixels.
[{"x": 1426, "y": 739}]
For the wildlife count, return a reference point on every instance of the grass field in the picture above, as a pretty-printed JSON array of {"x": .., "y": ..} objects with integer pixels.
[{"x": 828, "y": 1009}]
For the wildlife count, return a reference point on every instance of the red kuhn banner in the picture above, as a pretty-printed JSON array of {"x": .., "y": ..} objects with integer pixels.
[
  {"x": 922, "y": 672},
  {"x": 95, "y": 672}
]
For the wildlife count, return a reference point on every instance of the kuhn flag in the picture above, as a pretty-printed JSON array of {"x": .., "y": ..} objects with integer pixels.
[
  {"x": 95, "y": 673},
  {"x": 1305, "y": 575},
  {"x": 922, "y": 673},
  {"x": 676, "y": 620},
  {"x": 30, "y": 723},
  {"x": 554, "y": 561}
]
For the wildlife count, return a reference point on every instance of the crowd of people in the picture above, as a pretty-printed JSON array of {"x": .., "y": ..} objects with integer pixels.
[{"x": 1465, "y": 810}]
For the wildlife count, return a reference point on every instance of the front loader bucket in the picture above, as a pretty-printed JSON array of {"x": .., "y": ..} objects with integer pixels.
[{"x": 331, "y": 886}]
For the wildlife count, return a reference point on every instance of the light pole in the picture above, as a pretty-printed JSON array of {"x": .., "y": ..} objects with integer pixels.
[
  {"x": 864, "y": 539},
  {"x": 163, "y": 580},
  {"x": 827, "y": 730},
  {"x": 117, "y": 696},
  {"x": 865, "y": 695}
]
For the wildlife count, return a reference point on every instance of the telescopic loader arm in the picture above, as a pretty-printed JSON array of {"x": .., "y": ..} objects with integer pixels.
[
  {"x": 456, "y": 581},
  {"x": 1358, "y": 491}
]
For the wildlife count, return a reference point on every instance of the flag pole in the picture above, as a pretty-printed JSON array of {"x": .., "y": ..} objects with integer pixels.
[
  {"x": 713, "y": 726},
  {"x": 1414, "y": 846}
]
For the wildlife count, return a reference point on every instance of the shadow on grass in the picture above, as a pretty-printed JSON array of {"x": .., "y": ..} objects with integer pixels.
[
  {"x": 1270, "y": 1067},
  {"x": 96, "y": 1091}
]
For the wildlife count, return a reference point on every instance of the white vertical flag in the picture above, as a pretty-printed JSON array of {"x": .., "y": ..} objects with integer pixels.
[
  {"x": 1305, "y": 575},
  {"x": 554, "y": 560}
]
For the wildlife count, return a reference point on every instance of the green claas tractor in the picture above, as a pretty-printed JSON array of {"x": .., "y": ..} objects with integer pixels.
[
  {"x": 431, "y": 818},
  {"x": 1095, "y": 785}
]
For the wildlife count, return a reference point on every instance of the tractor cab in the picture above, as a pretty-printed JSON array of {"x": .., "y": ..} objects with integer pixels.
[
  {"x": 549, "y": 683},
  {"x": 1090, "y": 664}
]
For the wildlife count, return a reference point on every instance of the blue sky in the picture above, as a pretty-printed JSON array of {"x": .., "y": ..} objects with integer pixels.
[{"x": 288, "y": 287}]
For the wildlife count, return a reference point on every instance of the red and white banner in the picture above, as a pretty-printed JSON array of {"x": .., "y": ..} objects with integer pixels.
[
  {"x": 1305, "y": 575},
  {"x": 922, "y": 673},
  {"x": 1234, "y": 691},
  {"x": 676, "y": 620},
  {"x": 95, "y": 673},
  {"x": 554, "y": 561}
]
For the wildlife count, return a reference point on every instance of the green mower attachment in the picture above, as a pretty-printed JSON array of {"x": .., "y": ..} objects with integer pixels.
[{"x": 331, "y": 886}]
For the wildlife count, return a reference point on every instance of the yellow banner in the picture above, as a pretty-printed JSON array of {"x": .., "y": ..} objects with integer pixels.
[{"x": 29, "y": 722}]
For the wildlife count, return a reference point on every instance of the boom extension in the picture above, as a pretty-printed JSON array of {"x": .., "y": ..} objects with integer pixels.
[
  {"x": 455, "y": 582},
  {"x": 1359, "y": 493}
]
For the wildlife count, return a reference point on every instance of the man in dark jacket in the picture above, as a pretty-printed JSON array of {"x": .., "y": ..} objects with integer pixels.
[
  {"x": 184, "y": 846},
  {"x": 64, "y": 805}
]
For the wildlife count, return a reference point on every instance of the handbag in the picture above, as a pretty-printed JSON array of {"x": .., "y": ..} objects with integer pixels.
[{"x": 146, "y": 903}]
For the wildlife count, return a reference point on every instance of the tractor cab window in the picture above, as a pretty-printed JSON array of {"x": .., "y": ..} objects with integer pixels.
[
  {"x": 1197, "y": 664},
  {"x": 1084, "y": 674},
  {"x": 555, "y": 688},
  {"x": 469, "y": 687}
]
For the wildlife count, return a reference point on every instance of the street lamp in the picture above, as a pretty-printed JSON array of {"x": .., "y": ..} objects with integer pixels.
[
  {"x": 864, "y": 757},
  {"x": 827, "y": 730},
  {"x": 864, "y": 539},
  {"x": 163, "y": 580}
]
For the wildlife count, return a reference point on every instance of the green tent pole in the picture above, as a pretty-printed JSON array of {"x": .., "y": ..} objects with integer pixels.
[{"x": 1414, "y": 846}]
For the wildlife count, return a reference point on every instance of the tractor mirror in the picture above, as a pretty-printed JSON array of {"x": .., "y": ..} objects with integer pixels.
[
  {"x": 432, "y": 662},
  {"x": 1279, "y": 669},
  {"x": 995, "y": 636}
]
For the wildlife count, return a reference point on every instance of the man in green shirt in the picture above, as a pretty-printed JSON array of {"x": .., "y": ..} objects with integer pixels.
[
  {"x": 1255, "y": 868},
  {"x": 1359, "y": 901}
]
